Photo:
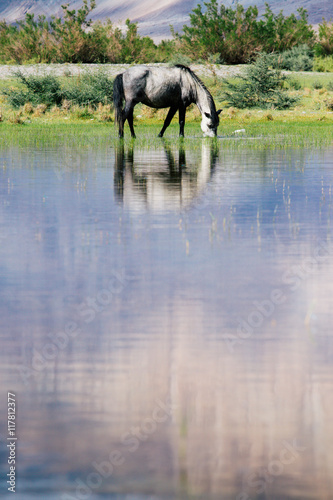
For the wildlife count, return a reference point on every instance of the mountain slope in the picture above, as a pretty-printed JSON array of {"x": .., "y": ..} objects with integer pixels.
[{"x": 154, "y": 17}]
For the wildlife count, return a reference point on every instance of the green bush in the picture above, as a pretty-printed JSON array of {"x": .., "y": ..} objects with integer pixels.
[
  {"x": 89, "y": 89},
  {"x": 317, "y": 85},
  {"x": 80, "y": 112},
  {"x": 215, "y": 33},
  {"x": 294, "y": 84},
  {"x": 86, "y": 89},
  {"x": 237, "y": 35},
  {"x": 324, "y": 47},
  {"x": 296, "y": 59},
  {"x": 75, "y": 39},
  {"x": 178, "y": 58},
  {"x": 260, "y": 87},
  {"x": 323, "y": 64},
  {"x": 38, "y": 90}
]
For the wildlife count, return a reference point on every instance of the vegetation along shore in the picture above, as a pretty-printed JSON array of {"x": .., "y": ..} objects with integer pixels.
[{"x": 53, "y": 74}]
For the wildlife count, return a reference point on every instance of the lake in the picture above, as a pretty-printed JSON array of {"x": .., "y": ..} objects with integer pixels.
[{"x": 166, "y": 321}]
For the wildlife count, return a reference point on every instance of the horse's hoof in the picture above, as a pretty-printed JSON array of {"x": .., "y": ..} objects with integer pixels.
[{"x": 160, "y": 135}]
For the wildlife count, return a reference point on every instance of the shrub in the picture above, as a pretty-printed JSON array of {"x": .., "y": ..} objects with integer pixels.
[
  {"x": 73, "y": 38},
  {"x": 260, "y": 86},
  {"x": 16, "y": 118},
  {"x": 41, "y": 109},
  {"x": 28, "y": 108},
  {"x": 233, "y": 33},
  {"x": 269, "y": 117},
  {"x": 179, "y": 59},
  {"x": 323, "y": 64},
  {"x": 16, "y": 98},
  {"x": 165, "y": 50},
  {"x": 66, "y": 105},
  {"x": 317, "y": 85},
  {"x": 238, "y": 36},
  {"x": 81, "y": 113},
  {"x": 84, "y": 90},
  {"x": 296, "y": 59},
  {"x": 324, "y": 47},
  {"x": 294, "y": 84},
  {"x": 38, "y": 89},
  {"x": 329, "y": 104},
  {"x": 89, "y": 89}
]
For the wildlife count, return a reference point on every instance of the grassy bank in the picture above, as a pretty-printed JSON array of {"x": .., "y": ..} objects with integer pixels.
[
  {"x": 255, "y": 131},
  {"x": 309, "y": 123}
]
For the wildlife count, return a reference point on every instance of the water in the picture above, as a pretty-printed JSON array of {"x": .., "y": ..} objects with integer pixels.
[{"x": 166, "y": 322}]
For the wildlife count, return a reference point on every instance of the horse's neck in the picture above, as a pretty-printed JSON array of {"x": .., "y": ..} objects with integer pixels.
[{"x": 203, "y": 101}]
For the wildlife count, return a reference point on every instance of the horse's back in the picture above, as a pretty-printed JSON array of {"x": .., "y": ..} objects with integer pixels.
[
  {"x": 135, "y": 77},
  {"x": 160, "y": 75},
  {"x": 155, "y": 86}
]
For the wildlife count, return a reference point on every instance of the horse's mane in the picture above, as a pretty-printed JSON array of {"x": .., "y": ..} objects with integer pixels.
[{"x": 199, "y": 82}]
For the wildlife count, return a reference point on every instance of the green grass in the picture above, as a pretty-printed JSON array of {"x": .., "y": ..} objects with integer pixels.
[
  {"x": 260, "y": 133},
  {"x": 307, "y": 79},
  {"x": 7, "y": 83}
]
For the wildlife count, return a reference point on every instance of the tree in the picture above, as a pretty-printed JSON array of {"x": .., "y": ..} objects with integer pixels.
[
  {"x": 220, "y": 30},
  {"x": 237, "y": 35},
  {"x": 71, "y": 34},
  {"x": 282, "y": 33},
  {"x": 260, "y": 86},
  {"x": 325, "y": 35}
]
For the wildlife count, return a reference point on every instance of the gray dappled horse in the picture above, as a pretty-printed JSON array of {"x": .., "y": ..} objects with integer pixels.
[{"x": 163, "y": 87}]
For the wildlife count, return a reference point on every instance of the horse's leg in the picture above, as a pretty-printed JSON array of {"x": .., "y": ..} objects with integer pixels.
[
  {"x": 128, "y": 115},
  {"x": 182, "y": 112},
  {"x": 167, "y": 121},
  {"x": 130, "y": 122},
  {"x": 121, "y": 124}
]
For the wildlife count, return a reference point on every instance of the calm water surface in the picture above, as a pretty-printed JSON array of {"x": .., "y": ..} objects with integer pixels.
[{"x": 166, "y": 322}]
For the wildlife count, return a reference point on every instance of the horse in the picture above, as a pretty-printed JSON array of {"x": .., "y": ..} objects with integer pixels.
[{"x": 163, "y": 87}]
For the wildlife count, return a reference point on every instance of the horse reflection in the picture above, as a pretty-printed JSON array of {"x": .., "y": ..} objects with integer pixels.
[{"x": 168, "y": 180}]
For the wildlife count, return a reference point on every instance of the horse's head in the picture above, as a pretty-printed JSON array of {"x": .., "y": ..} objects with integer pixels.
[{"x": 210, "y": 122}]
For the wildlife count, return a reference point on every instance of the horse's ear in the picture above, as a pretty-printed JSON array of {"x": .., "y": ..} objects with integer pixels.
[
  {"x": 219, "y": 111},
  {"x": 207, "y": 115}
]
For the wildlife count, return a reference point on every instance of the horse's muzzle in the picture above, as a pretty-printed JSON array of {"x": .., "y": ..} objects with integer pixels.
[{"x": 211, "y": 133}]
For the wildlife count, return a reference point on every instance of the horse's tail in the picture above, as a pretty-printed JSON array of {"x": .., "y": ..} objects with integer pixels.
[{"x": 118, "y": 98}]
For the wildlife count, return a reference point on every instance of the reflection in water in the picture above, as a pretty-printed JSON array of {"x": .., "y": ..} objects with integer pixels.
[
  {"x": 145, "y": 179},
  {"x": 178, "y": 343}
]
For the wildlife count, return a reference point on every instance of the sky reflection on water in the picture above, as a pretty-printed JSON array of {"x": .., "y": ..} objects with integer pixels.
[{"x": 166, "y": 321}]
